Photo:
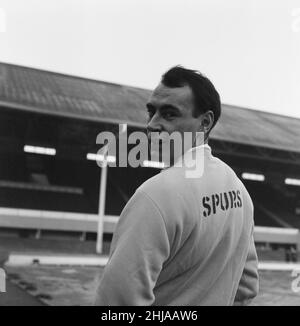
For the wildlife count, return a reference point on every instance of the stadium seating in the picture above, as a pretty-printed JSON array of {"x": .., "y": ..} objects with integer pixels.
[{"x": 275, "y": 205}]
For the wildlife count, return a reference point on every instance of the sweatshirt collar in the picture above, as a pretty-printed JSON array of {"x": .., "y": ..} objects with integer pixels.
[{"x": 196, "y": 148}]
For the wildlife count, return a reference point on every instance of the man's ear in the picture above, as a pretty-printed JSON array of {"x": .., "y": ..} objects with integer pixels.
[{"x": 207, "y": 121}]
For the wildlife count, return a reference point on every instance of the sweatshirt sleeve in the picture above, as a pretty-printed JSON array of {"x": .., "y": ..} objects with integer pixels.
[
  {"x": 139, "y": 248},
  {"x": 249, "y": 283}
]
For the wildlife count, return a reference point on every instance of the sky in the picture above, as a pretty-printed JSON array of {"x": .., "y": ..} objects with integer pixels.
[{"x": 250, "y": 49}]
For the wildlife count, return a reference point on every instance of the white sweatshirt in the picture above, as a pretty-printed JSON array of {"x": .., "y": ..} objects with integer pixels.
[{"x": 184, "y": 241}]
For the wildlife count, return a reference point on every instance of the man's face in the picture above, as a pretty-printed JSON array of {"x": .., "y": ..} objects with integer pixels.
[{"x": 171, "y": 109}]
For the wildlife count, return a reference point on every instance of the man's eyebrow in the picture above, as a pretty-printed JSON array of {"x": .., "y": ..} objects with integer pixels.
[
  {"x": 169, "y": 106},
  {"x": 150, "y": 106}
]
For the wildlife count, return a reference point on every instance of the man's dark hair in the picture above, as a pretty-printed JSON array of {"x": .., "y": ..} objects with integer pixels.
[{"x": 205, "y": 95}]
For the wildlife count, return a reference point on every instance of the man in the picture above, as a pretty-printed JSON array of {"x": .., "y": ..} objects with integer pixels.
[{"x": 179, "y": 240}]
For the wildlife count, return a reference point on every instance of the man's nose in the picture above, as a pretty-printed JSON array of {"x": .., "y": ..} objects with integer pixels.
[{"x": 154, "y": 124}]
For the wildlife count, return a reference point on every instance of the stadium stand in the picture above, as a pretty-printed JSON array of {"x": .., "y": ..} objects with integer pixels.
[{"x": 275, "y": 205}]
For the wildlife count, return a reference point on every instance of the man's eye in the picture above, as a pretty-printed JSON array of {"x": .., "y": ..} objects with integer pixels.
[{"x": 169, "y": 115}]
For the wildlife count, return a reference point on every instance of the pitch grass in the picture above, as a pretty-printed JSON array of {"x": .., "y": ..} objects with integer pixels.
[{"x": 73, "y": 286}]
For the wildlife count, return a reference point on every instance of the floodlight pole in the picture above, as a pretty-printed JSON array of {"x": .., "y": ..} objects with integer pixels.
[
  {"x": 102, "y": 193},
  {"x": 101, "y": 207}
]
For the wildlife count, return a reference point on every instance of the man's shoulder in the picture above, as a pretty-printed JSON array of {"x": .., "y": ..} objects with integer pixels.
[
  {"x": 171, "y": 198},
  {"x": 226, "y": 169},
  {"x": 167, "y": 181},
  {"x": 233, "y": 177}
]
